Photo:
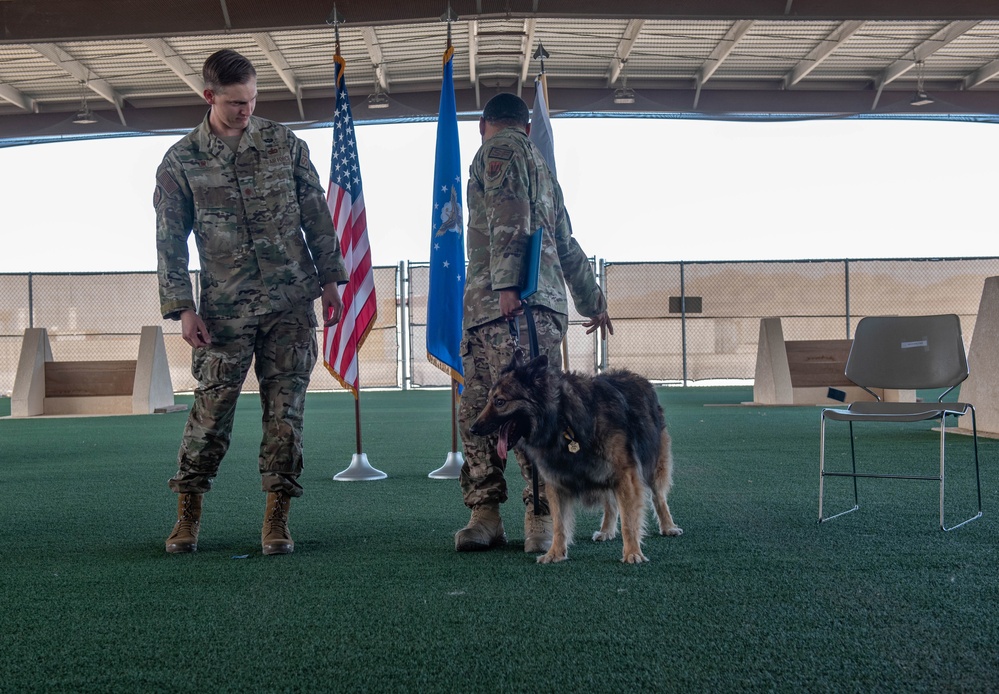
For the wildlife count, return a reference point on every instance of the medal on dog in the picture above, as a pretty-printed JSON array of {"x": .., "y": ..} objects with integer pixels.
[{"x": 573, "y": 443}]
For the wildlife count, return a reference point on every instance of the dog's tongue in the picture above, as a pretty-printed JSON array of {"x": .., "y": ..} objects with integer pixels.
[{"x": 502, "y": 444}]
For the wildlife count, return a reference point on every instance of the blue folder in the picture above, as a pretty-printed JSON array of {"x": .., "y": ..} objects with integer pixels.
[{"x": 532, "y": 263}]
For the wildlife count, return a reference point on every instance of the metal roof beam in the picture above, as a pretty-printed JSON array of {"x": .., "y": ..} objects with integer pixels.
[
  {"x": 939, "y": 40},
  {"x": 473, "y": 49},
  {"x": 18, "y": 98},
  {"x": 162, "y": 50},
  {"x": 525, "y": 61},
  {"x": 836, "y": 38},
  {"x": 982, "y": 75},
  {"x": 624, "y": 48},
  {"x": 720, "y": 53},
  {"x": 277, "y": 61},
  {"x": 370, "y": 37},
  {"x": 83, "y": 73}
]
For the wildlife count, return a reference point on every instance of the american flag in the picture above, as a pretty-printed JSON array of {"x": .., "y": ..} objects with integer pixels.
[{"x": 346, "y": 202}]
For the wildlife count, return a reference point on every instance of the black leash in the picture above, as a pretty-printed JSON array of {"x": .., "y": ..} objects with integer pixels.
[{"x": 532, "y": 339}]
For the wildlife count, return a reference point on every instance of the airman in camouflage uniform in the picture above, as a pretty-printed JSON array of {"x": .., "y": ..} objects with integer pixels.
[
  {"x": 248, "y": 190},
  {"x": 512, "y": 194}
]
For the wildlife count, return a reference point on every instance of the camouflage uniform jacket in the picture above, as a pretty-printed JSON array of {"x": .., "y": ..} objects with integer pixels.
[
  {"x": 248, "y": 210},
  {"x": 512, "y": 193}
]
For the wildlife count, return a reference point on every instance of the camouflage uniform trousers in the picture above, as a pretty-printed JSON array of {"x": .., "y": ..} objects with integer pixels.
[
  {"x": 486, "y": 350},
  {"x": 284, "y": 345}
]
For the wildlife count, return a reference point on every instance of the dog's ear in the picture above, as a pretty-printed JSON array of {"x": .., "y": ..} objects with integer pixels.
[
  {"x": 537, "y": 368},
  {"x": 515, "y": 362}
]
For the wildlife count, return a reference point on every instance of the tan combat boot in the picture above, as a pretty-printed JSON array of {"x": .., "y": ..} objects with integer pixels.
[
  {"x": 537, "y": 531},
  {"x": 274, "y": 537},
  {"x": 484, "y": 530},
  {"x": 184, "y": 537}
]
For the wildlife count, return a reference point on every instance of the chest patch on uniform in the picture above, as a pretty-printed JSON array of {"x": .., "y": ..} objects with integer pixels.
[{"x": 500, "y": 153}]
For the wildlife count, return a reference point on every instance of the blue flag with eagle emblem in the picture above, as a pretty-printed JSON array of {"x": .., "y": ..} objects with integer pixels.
[{"x": 447, "y": 239}]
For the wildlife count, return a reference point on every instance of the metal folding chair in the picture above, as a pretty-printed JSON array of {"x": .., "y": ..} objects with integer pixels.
[{"x": 903, "y": 353}]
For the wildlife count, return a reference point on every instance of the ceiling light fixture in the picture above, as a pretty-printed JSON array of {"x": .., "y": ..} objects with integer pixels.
[
  {"x": 84, "y": 116},
  {"x": 921, "y": 98},
  {"x": 624, "y": 94},
  {"x": 379, "y": 99}
]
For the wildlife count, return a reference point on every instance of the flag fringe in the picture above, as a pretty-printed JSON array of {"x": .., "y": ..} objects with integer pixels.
[
  {"x": 334, "y": 374},
  {"x": 360, "y": 343},
  {"x": 446, "y": 368}
]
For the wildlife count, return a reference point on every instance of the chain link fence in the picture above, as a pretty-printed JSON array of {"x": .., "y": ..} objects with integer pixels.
[
  {"x": 694, "y": 321},
  {"x": 579, "y": 353},
  {"x": 99, "y": 317},
  {"x": 673, "y": 322}
]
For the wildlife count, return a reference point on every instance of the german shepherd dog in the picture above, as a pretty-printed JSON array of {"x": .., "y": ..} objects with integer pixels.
[{"x": 599, "y": 439}]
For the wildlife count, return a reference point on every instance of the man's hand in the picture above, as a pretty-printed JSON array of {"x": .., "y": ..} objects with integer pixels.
[
  {"x": 332, "y": 306},
  {"x": 601, "y": 321},
  {"x": 510, "y": 303},
  {"x": 193, "y": 329}
]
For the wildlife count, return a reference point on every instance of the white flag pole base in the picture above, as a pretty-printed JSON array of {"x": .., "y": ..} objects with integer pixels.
[
  {"x": 451, "y": 469},
  {"x": 360, "y": 470}
]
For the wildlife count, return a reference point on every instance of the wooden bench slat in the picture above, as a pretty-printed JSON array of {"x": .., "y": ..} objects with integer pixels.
[
  {"x": 818, "y": 363},
  {"x": 89, "y": 378}
]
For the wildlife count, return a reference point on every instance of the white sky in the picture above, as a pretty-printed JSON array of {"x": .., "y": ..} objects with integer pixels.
[{"x": 637, "y": 190}]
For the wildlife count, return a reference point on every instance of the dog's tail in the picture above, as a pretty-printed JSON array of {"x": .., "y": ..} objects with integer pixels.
[{"x": 649, "y": 443}]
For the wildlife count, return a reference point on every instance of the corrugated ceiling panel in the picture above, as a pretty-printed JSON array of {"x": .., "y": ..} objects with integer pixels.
[{"x": 666, "y": 52}]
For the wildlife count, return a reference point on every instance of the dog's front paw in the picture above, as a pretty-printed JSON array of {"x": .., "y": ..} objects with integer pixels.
[
  {"x": 672, "y": 532},
  {"x": 601, "y": 536},
  {"x": 552, "y": 557},
  {"x": 634, "y": 558}
]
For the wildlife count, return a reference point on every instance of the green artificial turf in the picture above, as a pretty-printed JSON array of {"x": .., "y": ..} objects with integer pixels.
[{"x": 755, "y": 596}]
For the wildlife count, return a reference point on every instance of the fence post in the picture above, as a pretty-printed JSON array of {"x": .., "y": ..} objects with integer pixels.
[
  {"x": 31, "y": 302},
  {"x": 683, "y": 323},
  {"x": 846, "y": 272},
  {"x": 402, "y": 296},
  {"x": 600, "y": 343}
]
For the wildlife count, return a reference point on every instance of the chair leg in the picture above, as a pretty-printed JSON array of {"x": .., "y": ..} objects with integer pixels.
[
  {"x": 853, "y": 464},
  {"x": 822, "y": 460},
  {"x": 823, "y": 473},
  {"x": 978, "y": 481}
]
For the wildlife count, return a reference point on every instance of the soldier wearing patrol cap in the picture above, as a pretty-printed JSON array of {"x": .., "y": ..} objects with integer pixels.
[
  {"x": 248, "y": 191},
  {"x": 512, "y": 194}
]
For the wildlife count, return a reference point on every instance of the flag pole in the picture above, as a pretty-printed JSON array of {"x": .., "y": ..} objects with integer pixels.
[
  {"x": 451, "y": 469},
  {"x": 541, "y": 84},
  {"x": 360, "y": 469}
]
